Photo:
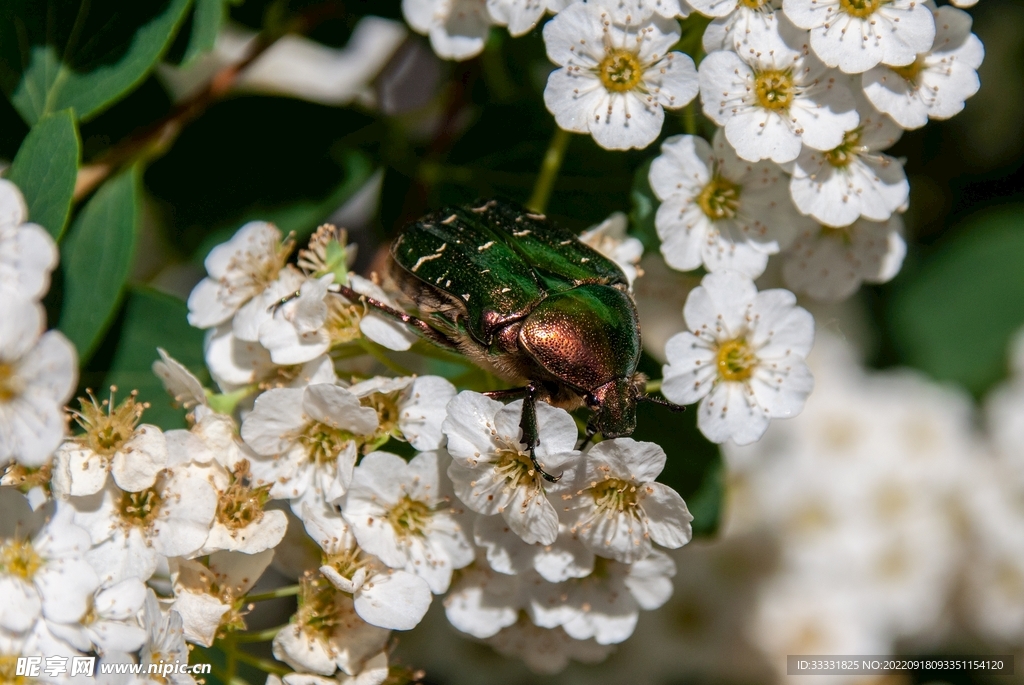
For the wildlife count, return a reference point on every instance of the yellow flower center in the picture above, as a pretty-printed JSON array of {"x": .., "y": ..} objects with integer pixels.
[
  {"x": 517, "y": 470},
  {"x": 841, "y": 234},
  {"x": 386, "y": 406},
  {"x": 410, "y": 517},
  {"x": 10, "y": 385},
  {"x": 140, "y": 509},
  {"x": 860, "y": 8},
  {"x": 736, "y": 361},
  {"x": 774, "y": 89},
  {"x": 719, "y": 199},
  {"x": 342, "y": 323},
  {"x": 18, "y": 558},
  {"x": 911, "y": 71},
  {"x": 9, "y": 671},
  {"x": 753, "y": 4},
  {"x": 322, "y": 607},
  {"x": 346, "y": 563},
  {"x": 241, "y": 505},
  {"x": 25, "y": 478},
  {"x": 324, "y": 443},
  {"x": 107, "y": 427},
  {"x": 614, "y": 496},
  {"x": 620, "y": 71},
  {"x": 846, "y": 152}
]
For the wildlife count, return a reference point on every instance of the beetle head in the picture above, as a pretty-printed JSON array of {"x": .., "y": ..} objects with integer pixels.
[{"x": 614, "y": 405}]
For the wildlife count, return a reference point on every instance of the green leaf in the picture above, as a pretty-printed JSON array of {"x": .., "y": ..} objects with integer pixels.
[
  {"x": 953, "y": 316},
  {"x": 300, "y": 217},
  {"x": 207, "y": 18},
  {"x": 45, "y": 170},
  {"x": 96, "y": 259},
  {"x": 644, "y": 207},
  {"x": 153, "y": 319},
  {"x": 55, "y": 54}
]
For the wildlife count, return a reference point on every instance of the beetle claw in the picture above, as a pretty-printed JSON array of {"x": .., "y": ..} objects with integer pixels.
[{"x": 547, "y": 476}]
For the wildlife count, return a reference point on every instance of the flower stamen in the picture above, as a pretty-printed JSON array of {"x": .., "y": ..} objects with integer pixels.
[
  {"x": 620, "y": 71},
  {"x": 736, "y": 361}
]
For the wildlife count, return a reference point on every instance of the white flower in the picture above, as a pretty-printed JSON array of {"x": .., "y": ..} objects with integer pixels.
[
  {"x": 491, "y": 469},
  {"x": 43, "y": 570},
  {"x": 605, "y": 605},
  {"x": 374, "y": 671},
  {"x": 113, "y": 443},
  {"x": 234, "y": 363},
  {"x": 408, "y": 408},
  {"x": 774, "y": 95},
  {"x": 110, "y": 624},
  {"x": 718, "y": 210},
  {"x": 617, "y": 74},
  {"x": 854, "y": 179},
  {"x": 735, "y": 22},
  {"x": 38, "y": 372},
  {"x": 178, "y": 381},
  {"x": 610, "y": 239},
  {"x": 326, "y": 634},
  {"x": 520, "y": 16},
  {"x": 619, "y": 509},
  {"x": 165, "y": 642},
  {"x": 855, "y": 35},
  {"x": 743, "y": 359},
  {"x": 543, "y": 650},
  {"x": 457, "y": 28},
  {"x": 383, "y": 597},
  {"x": 131, "y": 530},
  {"x": 205, "y": 594},
  {"x": 830, "y": 263},
  {"x": 239, "y": 270},
  {"x": 482, "y": 602},
  {"x": 398, "y": 512},
  {"x": 242, "y": 523},
  {"x": 506, "y": 552},
  {"x": 937, "y": 82},
  {"x": 305, "y": 438},
  {"x": 27, "y": 252}
]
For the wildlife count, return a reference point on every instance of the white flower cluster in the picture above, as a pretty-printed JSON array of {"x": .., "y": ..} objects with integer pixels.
[{"x": 191, "y": 512}]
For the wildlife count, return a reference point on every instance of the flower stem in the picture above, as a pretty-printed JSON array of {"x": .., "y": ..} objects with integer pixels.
[
  {"x": 260, "y": 636},
  {"x": 265, "y": 665},
  {"x": 653, "y": 386},
  {"x": 549, "y": 170},
  {"x": 286, "y": 591}
]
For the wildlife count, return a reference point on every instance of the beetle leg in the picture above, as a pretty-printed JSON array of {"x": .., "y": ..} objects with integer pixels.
[
  {"x": 591, "y": 432},
  {"x": 510, "y": 394},
  {"x": 531, "y": 438},
  {"x": 662, "y": 403},
  {"x": 426, "y": 330}
]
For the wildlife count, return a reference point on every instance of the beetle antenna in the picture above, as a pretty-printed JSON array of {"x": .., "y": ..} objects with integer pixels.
[{"x": 664, "y": 403}]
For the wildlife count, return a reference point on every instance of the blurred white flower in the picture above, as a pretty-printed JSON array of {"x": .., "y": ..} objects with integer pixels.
[
  {"x": 545, "y": 651},
  {"x": 491, "y": 469},
  {"x": 399, "y": 512},
  {"x": 38, "y": 372},
  {"x": 27, "y": 252},
  {"x": 110, "y": 624},
  {"x": 43, "y": 569},
  {"x": 1004, "y": 410},
  {"x": 855, "y": 35},
  {"x": 829, "y": 264},
  {"x": 743, "y": 357},
  {"x": 718, "y": 210},
  {"x": 853, "y": 180},
  {"x": 383, "y": 597},
  {"x": 295, "y": 65},
  {"x": 619, "y": 509},
  {"x": 506, "y": 552},
  {"x": 165, "y": 643},
  {"x": 520, "y": 16},
  {"x": 735, "y": 22},
  {"x": 112, "y": 442},
  {"x": 457, "y": 28},
  {"x": 774, "y": 95},
  {"x": 305, "y": 439},
  {"x": 610, "y": 239},
  {"x": 481, "y": 601},
  {"x": 936, "y": 83},
  {"x": 605, "y": 605},
  {"x": 617, "y": 74}
]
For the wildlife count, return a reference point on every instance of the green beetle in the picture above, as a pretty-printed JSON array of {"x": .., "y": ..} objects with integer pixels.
[{"x": 529, "y": 302}]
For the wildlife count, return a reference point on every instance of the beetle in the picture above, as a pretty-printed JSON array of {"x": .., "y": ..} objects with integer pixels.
[{"x": 527, "y": 301}]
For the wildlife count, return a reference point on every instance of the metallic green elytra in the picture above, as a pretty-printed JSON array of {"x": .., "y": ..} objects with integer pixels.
[{"x": 529, "y": 302}]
